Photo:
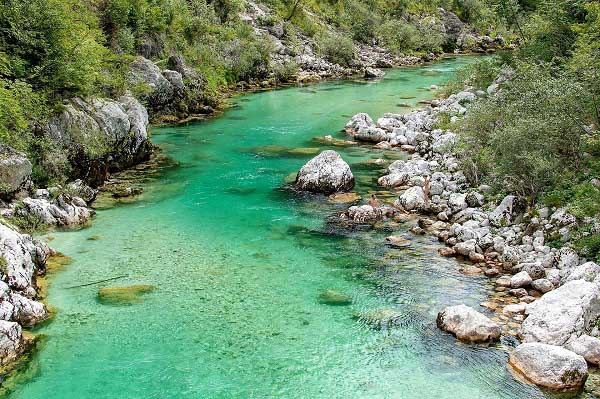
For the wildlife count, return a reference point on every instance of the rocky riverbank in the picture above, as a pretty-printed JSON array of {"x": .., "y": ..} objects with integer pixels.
[
  {"x": 88, "y": 139},
  {"x": 547, "y": 297}
]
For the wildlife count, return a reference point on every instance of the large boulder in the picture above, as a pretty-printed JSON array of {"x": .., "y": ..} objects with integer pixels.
[
  {"x": 560, "y": 316},
  {"x": 550, "y": 366},
  {"x": 15, "y": 170},
  {"x": 467, "y": 324},
  {"x": 98, "y": 135},
  {"x": 412, "y": 199},
  {"x": 364, "y": 214},
  {"x": 326, "y": 173},
  {"x": 145, "y": 72},
  {"x": 588, "y": 272}
]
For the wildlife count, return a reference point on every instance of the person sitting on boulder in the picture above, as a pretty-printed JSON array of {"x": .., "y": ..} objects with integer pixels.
[{"x": 374, "y": 202}]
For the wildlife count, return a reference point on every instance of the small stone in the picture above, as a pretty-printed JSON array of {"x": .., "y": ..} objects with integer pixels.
[{"x": 521, "y": 279}]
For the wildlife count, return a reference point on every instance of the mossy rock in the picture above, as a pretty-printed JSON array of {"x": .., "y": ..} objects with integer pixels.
[
  {"x": 304, "y": 151},
  {"x": 334, "y": 298},
  {"x": 57, "y": 261},
  {"x": 344, "y": 198},
  {"x": 123, "y": 295},
  {"x": 290, "y": 178},
  {"x": 379, "y": 318}
]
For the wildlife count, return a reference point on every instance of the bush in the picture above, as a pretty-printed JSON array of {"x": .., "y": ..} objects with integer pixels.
[
  {"x": 337, "y": 49},
  {"x": 248, "y": 59},
  {"x": 285, "y": 73},
  {"x": 53, "y": 45},
  {"x": 532, "y": 131}
]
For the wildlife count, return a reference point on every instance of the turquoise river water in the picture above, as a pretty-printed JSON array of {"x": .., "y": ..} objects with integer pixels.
[{"x": 238, "y": 265}]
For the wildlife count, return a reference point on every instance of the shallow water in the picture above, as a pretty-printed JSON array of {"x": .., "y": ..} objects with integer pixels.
[{"x": 238, "y": 266}]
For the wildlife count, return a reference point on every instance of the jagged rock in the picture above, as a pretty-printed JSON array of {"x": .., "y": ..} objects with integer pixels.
[
  {"x": 79, "y": 189},
  {"x": 588, "y": 347},
  {"x": 145, "y": 72},
  {"x": 15, "y": 170},
  {"x": 26, "y": 311},
  {"x": 503, "y": 214},
  {"x": 99, "y": 135},
  {"x": 63, "y": 211},
  {"x": 467, "y": 324},
  {"x": 11, "y": 341},
  {"x": 444, "y": 144},
  {"x": 550, "y": 366},
  {"x": 588, "y": 272},
  {"x": 562, "y": 315},
  {"x": 474, "y": 199},
  {"x": 22, "y": 257},
  {"x": 326, "y": 173},
  {"x": 359, "y": 121}
]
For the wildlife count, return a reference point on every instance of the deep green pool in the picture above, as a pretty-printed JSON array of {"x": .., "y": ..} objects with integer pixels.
[{"x": 238, "y": 266}]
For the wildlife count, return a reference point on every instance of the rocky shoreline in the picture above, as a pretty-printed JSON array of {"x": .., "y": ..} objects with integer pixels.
[{"x": 549, "y": 298}]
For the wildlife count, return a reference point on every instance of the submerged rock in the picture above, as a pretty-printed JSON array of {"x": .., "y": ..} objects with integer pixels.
[
  {"x": 380, "y": 318},
  {"x": 123, "y": 295},
  {"x": 335, "y": 298},
  {"x": 550, "y": 366},
  {"x": 343, "y": 198},
  {"x": 467, "y": 324},
  {"x": 326, "y": 173}
]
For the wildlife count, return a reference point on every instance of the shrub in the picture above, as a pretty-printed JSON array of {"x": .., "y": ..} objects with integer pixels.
[
  {"x": 286, "y": 72},
  {"x": 337, "y": 49},
  {"x": 532, "y": 130},
  {"x": 248, "y": 59}
]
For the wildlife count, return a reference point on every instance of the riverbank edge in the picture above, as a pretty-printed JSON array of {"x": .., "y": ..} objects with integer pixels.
[{"x": 534, "y": 283}]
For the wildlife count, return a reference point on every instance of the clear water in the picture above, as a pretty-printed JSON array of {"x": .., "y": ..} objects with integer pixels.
[{"x": 238, "y": 266}]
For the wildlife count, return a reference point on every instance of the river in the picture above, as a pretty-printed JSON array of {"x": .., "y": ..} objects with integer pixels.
[{"x": 238, "y": 266}]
